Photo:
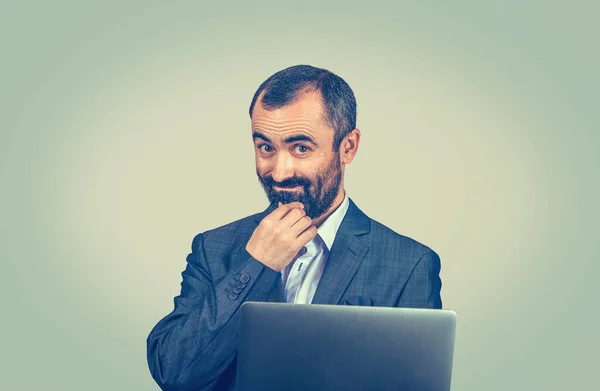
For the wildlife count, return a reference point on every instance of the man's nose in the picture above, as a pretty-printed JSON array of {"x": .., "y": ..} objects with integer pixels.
[{"x": 283, "y": 169}]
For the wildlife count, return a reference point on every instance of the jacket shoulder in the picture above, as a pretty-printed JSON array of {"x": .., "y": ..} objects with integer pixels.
[
  {"x": 229, "y": 233},
  {"x": 232, "y": 227}
]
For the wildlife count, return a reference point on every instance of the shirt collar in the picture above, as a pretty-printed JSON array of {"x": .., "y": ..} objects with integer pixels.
[{"x": 328, "y": 229}]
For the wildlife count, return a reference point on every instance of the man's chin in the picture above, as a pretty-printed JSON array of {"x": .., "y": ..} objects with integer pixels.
[{"x": 285, "y": 200}]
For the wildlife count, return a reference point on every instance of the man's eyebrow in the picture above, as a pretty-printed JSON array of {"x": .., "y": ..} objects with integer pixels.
[
  {"x": 261, "y": 136},
  {"x": 289, "y": 140},
  {"x": 299, "y": 137}
]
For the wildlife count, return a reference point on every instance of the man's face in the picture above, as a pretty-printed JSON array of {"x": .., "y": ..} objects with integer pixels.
[{"x": 294, "y": 156}]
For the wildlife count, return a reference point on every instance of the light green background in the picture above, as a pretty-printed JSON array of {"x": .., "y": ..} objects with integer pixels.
[{"x": 124, "y": 132}]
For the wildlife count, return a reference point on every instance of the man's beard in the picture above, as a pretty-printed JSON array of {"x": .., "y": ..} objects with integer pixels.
[{"x": 317, "y": 199}]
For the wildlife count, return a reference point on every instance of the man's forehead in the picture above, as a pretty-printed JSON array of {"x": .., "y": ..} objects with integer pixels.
[
  {"x": 308, "y": 105},
  {"x": 304, "y": 114}
]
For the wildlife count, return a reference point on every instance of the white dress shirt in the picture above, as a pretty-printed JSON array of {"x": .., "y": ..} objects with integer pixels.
[{"x": 302, "y": 275}]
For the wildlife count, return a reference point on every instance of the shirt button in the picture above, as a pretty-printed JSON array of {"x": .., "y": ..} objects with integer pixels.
[
  {"x": 233, "y": 295},
  {"x": 244, "y": 278}
]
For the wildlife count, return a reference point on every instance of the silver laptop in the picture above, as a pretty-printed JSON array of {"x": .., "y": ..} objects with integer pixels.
[{"x": 326, "y": 347}]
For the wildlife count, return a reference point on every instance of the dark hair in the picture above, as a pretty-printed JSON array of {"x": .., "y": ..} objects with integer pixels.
[{"x": 285, "y": 86}]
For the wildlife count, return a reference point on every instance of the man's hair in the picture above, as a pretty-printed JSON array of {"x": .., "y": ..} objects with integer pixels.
[{"x": 284, "y": 88}]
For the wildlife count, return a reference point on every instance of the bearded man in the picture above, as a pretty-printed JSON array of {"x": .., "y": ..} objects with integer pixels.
[{"x": 312, "y": 245}]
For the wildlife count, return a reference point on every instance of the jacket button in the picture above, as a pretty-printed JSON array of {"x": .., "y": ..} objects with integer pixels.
[
  {"x": 237, "y": 290},
  {"x": 244, "y": 278},
  {"x": 233, "y": 295},
  {"x": 240, "y": 285}
]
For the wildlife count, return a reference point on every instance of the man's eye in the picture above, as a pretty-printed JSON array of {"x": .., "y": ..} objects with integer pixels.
[
  {"x": 302, "y": 148},
  {"x": 265, "y": 148}
]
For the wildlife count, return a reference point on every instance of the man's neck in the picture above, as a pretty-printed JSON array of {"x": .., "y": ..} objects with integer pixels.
[{"x": 336, "y": 204}]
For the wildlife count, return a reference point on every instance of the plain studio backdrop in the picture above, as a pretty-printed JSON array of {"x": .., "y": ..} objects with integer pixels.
[{"x": 125, "y": 132}]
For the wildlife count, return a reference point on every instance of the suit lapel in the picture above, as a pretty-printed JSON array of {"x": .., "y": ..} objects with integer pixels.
[
  {"x": 276, "y": 294},
  {"x": 346, "y": 255}
]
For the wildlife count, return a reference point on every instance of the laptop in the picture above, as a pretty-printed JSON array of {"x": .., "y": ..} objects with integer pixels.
[{"x": 285, "y": 346}]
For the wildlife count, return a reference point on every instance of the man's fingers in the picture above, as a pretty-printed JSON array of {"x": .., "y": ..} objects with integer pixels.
[
  {"x": 284, "y": 209},
  {"x": 301, "y": 224},
  {"x": 306, "y": 236},
  {"x": 292, "y": 217},
  {"x": 294, "y": 204}
]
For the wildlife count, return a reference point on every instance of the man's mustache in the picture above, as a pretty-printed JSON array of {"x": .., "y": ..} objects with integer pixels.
[{"x": 289, "y": 183}]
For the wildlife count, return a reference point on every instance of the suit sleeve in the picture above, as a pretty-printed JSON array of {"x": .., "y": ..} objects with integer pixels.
[
  {"x": 423, "y": 288},
  {"x": 193, "y": 346}
]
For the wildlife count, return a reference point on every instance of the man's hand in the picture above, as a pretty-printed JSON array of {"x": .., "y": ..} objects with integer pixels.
[{"x": 280, "y": 235}]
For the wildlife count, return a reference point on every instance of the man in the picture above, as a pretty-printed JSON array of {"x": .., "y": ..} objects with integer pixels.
[{"x": 311, "y": 245}]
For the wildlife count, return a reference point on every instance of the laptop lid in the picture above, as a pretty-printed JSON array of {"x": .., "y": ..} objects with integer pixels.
[{"x": 286, "y": 346}]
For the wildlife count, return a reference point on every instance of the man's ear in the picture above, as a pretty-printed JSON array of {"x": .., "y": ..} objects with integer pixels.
[{"x": 349, "y": 146}]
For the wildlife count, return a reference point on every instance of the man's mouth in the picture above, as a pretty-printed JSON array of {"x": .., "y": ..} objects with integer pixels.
[{"x": 287, "y": 188}]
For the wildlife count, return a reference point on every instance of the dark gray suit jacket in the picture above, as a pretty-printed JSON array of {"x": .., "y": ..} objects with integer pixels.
[{"x": 194, "y": 347}]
